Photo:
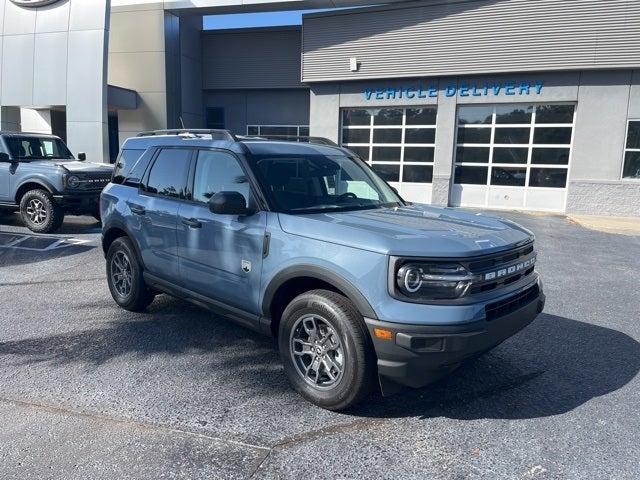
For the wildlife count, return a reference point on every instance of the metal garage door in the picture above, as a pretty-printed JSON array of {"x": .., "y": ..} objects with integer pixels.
[
  {"x": 398, "y": 143},
  {"x": 513, "y": 156}
]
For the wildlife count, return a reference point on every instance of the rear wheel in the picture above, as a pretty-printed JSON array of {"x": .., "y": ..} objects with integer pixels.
[
  {"x": 124, "y": 276},
  {"x": 326, "y": 350},
  {"x": 40, "y": 213}
]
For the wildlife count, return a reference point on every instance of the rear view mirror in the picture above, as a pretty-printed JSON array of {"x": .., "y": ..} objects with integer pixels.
[
  {"x": 4, "y": 157},
  {"x": 82, "y": 156},
  {"x": 228, "y": 203}
]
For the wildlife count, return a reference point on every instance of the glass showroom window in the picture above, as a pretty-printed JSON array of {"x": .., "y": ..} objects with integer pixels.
[
  {"x": 399, "y": 143},
  {"x": 631, "y": 167},
  {"x": 514, "y": 145},
  {"x": 288, "y": 130}
]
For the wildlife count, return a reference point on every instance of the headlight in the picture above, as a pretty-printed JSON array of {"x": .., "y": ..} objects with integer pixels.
[
  {"x": 433, "y": 281},
  {"x": 73, "y": 181}
]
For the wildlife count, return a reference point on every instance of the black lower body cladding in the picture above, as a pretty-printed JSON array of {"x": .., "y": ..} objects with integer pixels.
[{"x": 417, "y": 355}]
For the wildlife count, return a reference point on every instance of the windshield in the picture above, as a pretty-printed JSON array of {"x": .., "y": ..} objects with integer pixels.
[
  {"x": 37, "y": 148},
  {"x": 318, "y": 183}
]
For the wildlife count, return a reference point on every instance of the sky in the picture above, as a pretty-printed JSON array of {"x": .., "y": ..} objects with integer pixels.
[{"x": 263, "y": 19}]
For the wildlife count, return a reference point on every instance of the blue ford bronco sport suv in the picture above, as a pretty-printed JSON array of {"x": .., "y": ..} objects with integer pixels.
[
  {"x": 39, "y": 175},
  {"x": 303, "y": 241}
]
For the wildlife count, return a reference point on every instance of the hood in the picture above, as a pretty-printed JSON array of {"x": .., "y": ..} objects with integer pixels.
[
  {"x": 75, "y": 166},
  {"x": 415, "y": 230},
  {"x": 72, "y": 166}
]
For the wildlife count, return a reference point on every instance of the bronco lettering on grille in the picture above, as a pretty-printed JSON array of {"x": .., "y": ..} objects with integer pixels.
[{"x": 515, "y": 268}]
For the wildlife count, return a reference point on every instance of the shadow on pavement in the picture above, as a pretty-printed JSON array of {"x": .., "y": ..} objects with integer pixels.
[
  {"x": 10, "y": 257},
  {"x": 72, "y": 225},
  {"x": 553, "y": 366}
]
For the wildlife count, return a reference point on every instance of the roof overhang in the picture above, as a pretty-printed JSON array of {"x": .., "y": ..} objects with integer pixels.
[
  {"x": 207, "y": 7},
  {"x": 121, "y": 98}
]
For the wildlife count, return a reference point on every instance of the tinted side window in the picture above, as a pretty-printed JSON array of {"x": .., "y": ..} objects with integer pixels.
[
  {"x": 168, "y": 175},
  {"x": 218, "y": 172},
  {"x": 125, "y": 164}
]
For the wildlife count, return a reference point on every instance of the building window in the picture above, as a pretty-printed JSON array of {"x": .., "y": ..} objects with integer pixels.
[
  {"x": 631, "y": 167},
  {"x": 278, "y": 130},
  {"x": 514, "y": 145},
  {"x": 399, "y": 143},
  {"x": 215, "y": 118}
]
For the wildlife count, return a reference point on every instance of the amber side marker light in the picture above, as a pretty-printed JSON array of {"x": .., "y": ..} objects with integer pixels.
[{"x": 383, "y": 333}]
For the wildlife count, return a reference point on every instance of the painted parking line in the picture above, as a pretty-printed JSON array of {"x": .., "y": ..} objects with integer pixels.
[{"x": 34, "y": 243}]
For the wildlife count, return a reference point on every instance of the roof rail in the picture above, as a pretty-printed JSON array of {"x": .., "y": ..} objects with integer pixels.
[
  {"x": 216, "y": 134},
  {"x": 291, "y": 138}
]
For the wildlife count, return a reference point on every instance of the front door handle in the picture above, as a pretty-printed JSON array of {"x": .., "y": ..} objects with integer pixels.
[
  {"x": 192, "y": 222},
  {"x": 137, "y": 209}
]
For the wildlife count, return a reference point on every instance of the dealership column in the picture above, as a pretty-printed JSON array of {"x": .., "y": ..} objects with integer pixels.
[{"x": 87, "y": 111}]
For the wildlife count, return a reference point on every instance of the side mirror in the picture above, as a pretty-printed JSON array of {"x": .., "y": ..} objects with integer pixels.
[
  {"x": 229, "y": 203},
  {"x": 82, "y": 156},
  {"x": 4, "y": 157}
]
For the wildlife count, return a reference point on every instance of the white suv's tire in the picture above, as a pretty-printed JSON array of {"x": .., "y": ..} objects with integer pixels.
[{"x": 40, "y": 213}]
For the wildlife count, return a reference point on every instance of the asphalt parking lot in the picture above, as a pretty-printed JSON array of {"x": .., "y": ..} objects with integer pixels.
[{"x": 90, "y": 391}]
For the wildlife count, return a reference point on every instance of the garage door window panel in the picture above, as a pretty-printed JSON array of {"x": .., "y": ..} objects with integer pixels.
[
  {"x": 514, "y": 115},
  {"x": 512, "y": 177},
  {"x": 419, "y": 154},
  {"x": 552, "y": 135},
  {"x": 475, "y": 115},
  {"x": 527, "y": 146},
  {"x": 471, "y": 175},
  {"x": 389, "y": 173},
  {"x": 510, "y": 155},
  {"x": 548, "y": 177},
  {"x": 474, "y": 135},
  {"x": 631, "y": 168},
  {"x": 399, "y": 143}
]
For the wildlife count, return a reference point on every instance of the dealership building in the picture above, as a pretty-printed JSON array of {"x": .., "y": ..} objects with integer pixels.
[{"x": 516, "y": 104}]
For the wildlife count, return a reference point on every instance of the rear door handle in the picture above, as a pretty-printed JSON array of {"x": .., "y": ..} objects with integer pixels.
[
  {"x": 192, "y": 222},
  {"x": 137, "y": 209}
]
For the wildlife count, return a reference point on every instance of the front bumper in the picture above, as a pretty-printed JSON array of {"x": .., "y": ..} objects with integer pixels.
[
  {"x": 79, "y": 202},
  {"x": 417, "y": 355}
]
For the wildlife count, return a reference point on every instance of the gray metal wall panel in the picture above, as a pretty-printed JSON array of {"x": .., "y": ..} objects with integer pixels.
[
  {"x": 260, "y": 107},
  {"x": 473, "y": 37},
  {"x": 252, "y": 59}
]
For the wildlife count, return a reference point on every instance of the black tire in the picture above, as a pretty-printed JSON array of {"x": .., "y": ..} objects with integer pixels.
[
  {"x": 358, "y": 362},
  {"x": 138, "y": 297},
  {"x": 95, "y": 213},
  {"x": 40, "y": 213}
]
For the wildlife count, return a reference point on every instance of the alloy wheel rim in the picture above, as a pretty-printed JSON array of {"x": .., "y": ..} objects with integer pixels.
[
  {"x": 36, "y": 211},
  {"x": 121, "y": 274},
  {"x": 317, "y": 352}
]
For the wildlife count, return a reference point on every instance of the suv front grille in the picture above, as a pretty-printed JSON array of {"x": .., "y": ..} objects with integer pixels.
[
  {"x": 91, "y": 182},
  {"x": 511, "y": 304},
  {"x": 501, "y": 269}
]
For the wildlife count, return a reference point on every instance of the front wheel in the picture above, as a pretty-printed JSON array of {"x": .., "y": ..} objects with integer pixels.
[
  {"x": 326, "y": 350},
  {"x": 40, "y": 213},
  {"x": 124, "y": 276}
]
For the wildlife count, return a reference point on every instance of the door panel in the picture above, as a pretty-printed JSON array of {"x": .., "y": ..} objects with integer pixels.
[
  {"x": 5, "y": 182},
  {"x": 155, "y": 210},
  {"x": 221, "y": 255},
  {"x": 212, "y": 257},
  {"x": 157, "y": 237}
]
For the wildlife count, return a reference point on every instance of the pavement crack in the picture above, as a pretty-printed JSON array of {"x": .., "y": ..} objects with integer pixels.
[
  {"x": 316, "y": 434},
  {"x": 50, "y": 282},
  {"x": 127, "y": 422}
]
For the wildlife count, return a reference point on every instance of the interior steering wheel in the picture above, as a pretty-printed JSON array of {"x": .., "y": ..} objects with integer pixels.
[{"x": 347, "y": 195}]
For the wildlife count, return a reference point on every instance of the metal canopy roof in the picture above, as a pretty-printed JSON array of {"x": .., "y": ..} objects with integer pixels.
[{"x": 205, "y": 7}]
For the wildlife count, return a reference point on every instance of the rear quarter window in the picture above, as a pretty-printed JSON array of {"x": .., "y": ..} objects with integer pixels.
[{"x": 130, "y": 167}]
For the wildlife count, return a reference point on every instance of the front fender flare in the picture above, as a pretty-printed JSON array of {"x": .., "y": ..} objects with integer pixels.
[{"x": 320, "y": 273}]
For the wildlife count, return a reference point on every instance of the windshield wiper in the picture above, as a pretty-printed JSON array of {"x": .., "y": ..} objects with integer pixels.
[{"x": 335, "y": 208}]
